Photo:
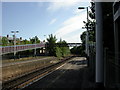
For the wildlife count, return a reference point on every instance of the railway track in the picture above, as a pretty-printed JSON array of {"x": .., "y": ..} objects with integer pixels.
[{"x": 24, "y": 80}]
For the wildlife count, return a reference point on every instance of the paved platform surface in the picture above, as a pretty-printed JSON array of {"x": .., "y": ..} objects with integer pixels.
[{"x": 73, "y": 74}]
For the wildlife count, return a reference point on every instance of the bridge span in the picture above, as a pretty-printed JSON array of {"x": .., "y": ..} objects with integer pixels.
[
  {"x": 17, "y": 48},
  {"x": 11, "y": 49}
]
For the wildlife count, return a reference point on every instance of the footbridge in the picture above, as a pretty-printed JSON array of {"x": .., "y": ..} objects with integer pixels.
[{"x": 17, "y": 48}]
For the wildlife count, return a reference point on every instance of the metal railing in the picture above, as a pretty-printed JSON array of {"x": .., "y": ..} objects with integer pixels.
[{"x": 10, "y": 49}]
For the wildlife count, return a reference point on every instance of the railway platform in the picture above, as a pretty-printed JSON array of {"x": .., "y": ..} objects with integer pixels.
[{"x": 73, "y": 74}]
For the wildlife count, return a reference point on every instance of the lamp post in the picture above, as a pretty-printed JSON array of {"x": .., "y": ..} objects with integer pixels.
[
  {"x": 87, "y": 35},
  {"x": 45, "y": 36},
  {"x": 45, "y": 44},
  {"x": 35, "y": 47},
  {"x": 14, "y": 42}
]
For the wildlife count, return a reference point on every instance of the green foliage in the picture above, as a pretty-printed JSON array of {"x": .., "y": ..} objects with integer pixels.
[
  {"x": 73, "y": 50},
  {"x": 4, "y": 41},
  {"x": 91, "y": 24},
  {"x": 58, "y": 52},
  {"x": 91, "y": 28},
  {"x": 51, "y": 43},
  {"x": 83, "y": 36},
  {"x": 65, "y": 51},
  {"x": 26, "y": 41},
  {"x": 78, "y": 50},
  {"x": 32, "y": 40},
  {"x": 59, "y": 49},
  {"x": 92, "y": 36},
  {"x": 0, "y": 41},
  {"x": 64, "y": 48}
]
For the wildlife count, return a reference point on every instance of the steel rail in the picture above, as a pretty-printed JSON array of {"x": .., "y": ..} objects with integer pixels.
[{"x": 16, "y": 82}]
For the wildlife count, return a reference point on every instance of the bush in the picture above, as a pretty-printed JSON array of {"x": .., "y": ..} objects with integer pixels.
[{"x": 58, "y": 52}]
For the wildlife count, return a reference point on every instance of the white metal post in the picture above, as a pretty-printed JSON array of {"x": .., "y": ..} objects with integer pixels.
[
  {"x": 86, "y": 41},
  {"x": 35, "y": 47},
  {"x": 14, "y": 42},
  {"x": 87, "y": 34}
]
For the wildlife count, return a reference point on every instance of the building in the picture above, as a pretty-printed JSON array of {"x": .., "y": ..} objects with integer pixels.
[
  {"x": 10, "y": 40},
  {"x": 108, "y": 44},
  {"x": 116, "y": 18}
]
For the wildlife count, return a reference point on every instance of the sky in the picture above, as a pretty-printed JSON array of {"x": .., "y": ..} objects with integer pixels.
[{"x": 41, "y": 19}]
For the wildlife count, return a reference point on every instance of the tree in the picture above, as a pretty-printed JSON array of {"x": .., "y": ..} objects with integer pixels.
[
  {"x": 77, "y": 50},
  {"x": 91, "y": 27},
  {"x": 58, "y": 52},
  {"x": 90, "y": 23},
  {"x": 0, "y": 40},
  {"x": 32, "y": 40},
  {"x": 64, "y": 47},
  {"x": 73, "y": 50},
  {"x": 59, "y": 49},
  {"x": 4, "y": 41},
  {"x": 26, "y": 41},
  {"x": 83, "y": 35},
  {"x": 51, "y": 44}
]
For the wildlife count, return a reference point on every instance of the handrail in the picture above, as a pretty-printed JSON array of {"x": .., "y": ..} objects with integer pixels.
[
  {"x": 10, "y": 49},
  {"x": 21, "y": 45}
]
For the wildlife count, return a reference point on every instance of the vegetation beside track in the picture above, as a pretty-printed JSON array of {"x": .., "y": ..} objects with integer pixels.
[
  {"x": 23, "y": 59},
  {"x": 21, "y": 67},
  {"x": 12, "y": 71}
]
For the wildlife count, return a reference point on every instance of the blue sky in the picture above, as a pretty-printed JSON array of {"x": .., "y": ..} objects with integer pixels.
[{"x": 62, "y": 19}]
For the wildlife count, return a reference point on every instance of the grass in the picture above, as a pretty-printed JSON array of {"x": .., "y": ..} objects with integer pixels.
[
  {"x": 9, "y": 72},
  {"x": 12, "y": 71},
  {"x": 23, "y": 59}
]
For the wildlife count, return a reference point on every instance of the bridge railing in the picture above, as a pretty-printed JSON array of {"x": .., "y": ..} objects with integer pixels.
[{"x": 10, "y": 49}]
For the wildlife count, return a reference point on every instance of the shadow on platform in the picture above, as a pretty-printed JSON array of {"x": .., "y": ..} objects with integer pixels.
[{"x": 67, "y": 79}]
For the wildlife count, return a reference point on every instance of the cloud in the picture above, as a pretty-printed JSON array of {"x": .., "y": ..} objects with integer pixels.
[
  {"x": 54, "y": 6},
  {"x": 77, "y": 11},
  {"x": 40, "y": 4},
  {"x": 52, "y": 0},
  {"x": 71, "y": 25},
  {"x": 73, "y": 39},
  {"x": 52, "y": 21}
]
